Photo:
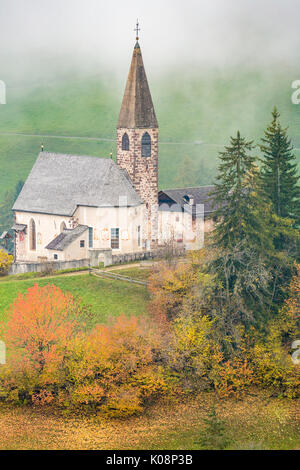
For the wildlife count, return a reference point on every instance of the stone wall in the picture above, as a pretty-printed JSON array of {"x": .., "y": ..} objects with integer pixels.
[
  {"x": 21, "y": 268},
  {"x": 131, "y": 257},
  {"x": 96, "y": 256}
]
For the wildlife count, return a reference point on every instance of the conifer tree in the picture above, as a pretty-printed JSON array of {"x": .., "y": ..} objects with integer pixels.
[
  {"x": 279, "y": 171},
  {"x": 241, "y": 237},
  {"x": 6, "y": 214},
  {"x": 214, "y": 435},
  {"x": 238, "y": 200}
]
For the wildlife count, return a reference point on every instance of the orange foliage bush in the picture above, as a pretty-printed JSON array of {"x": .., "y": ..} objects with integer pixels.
[
  {"x": 40, "y": 325},
  {"x": 169, "y": 285},
  {"x": 53, "y": 360},
  {"x": 113, "y": 368},
  {"x": 232, "y": 378}
]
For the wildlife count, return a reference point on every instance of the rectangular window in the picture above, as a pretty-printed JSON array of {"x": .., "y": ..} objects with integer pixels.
[
  {"x": 139, "y": 235},
  {"x": 81, "y": 243},
  {"x": 55, "y": 257},
  {"x": 90, "y": 237},
  {"x": 115, "y": 238}
]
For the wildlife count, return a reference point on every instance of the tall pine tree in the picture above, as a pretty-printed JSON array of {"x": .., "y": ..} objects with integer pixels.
[
  {"x": 280, "y": 185},
  {"x": 279, "y": 171},
  {"x": 241, "y": 236},
  {"x": 238, "y": 200}
]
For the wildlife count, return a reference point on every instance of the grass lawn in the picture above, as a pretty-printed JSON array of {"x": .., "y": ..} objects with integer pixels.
[
  {"x": 138, "y": 273},
  {"x": 257, "y": 422},
  {"x": 106, "y": 297}
]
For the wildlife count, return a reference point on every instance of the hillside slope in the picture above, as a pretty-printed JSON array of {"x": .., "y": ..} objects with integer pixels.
[{"x": 197, "y": 112}]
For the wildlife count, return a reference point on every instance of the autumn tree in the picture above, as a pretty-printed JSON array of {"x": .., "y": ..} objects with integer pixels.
[
  {"x": 5, "y": 262},
  {"x": 39, "y": 326}
]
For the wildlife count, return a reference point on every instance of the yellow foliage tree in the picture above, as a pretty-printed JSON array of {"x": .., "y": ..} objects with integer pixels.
[{"x": 5, "y": 262}]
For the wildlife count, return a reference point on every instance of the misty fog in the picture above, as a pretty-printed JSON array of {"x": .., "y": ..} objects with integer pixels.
[
  {"x": 213, "y": 66},
  {"x": 174, "y": 33}
]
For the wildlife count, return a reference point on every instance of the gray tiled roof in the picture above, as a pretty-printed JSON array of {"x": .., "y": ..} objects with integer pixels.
[
  {"x": 200, "y": 196},
  {"x": 66, "y": 237},
  {"x": 58, "y": 183}
]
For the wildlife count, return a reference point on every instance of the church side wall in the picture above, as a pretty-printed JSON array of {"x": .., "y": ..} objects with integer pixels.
[
  {"x": 102, "y": 220},
  {"x": 47, "y": 228}
]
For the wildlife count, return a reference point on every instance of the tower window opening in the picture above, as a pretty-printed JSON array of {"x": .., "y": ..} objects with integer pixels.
[
  {"x": 146, "y": 145},
  {"x": 125, "y": 142}
]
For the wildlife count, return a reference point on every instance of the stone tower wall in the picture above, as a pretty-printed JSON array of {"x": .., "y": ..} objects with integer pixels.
[{"x": 143, "y": 172}]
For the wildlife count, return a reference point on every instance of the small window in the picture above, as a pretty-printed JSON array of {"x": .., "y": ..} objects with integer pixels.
[
  {"x": 62, "y": 227},
  {"x": 146, "y": 145},
  {"x": 125, "y": 142},
  {"x": 115, "y": 238},
  {"x": 90, "y": 237},
  {"x": 55, "y": 256},
  {"x": 139, "y": 235},
  {"x": 81, "y": 243},
  {"x": 32, "y": 233}
]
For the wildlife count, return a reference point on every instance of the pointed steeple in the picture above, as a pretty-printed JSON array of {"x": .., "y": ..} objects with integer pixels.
[{"x": 137, "y": 109}]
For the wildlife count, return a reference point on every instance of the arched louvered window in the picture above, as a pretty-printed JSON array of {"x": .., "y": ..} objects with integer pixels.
[
  {"x": 125, "y": 142},
  {"x": 32, "y": 235},
  {"x": 146, "y": 145},
  {"x": 62, "y": 227}
]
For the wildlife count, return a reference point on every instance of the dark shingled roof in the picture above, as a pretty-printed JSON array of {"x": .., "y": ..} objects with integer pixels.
[
  {"x": 177, "y": 196},
  {"x": 137, "y": 109},
  {"x": 66, "y": 237},
  {"x": 58, "y": 183}
]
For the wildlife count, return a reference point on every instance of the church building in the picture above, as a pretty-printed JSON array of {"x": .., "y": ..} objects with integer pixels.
[{"x": 73, "y": 206}]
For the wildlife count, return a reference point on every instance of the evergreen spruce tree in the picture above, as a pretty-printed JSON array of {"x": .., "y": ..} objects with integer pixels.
[
  {"x": 280, "y": 184},
  {"x": 279, "y": 171},
  {"x": 6, "y": 214},
  {"x": 213, "y": 436},
  {"x": 241, "y": 238},
  {"x": 237, "y": 198}
]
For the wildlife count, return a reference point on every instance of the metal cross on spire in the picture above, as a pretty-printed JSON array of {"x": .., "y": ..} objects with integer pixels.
[{"x": 137, "y": 29}]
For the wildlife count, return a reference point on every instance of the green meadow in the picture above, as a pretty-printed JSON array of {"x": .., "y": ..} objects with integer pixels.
[{"x": 107, "y": 298}]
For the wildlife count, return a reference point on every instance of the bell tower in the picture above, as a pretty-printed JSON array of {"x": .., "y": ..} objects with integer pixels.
[{"x": 137, "y": 142}]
